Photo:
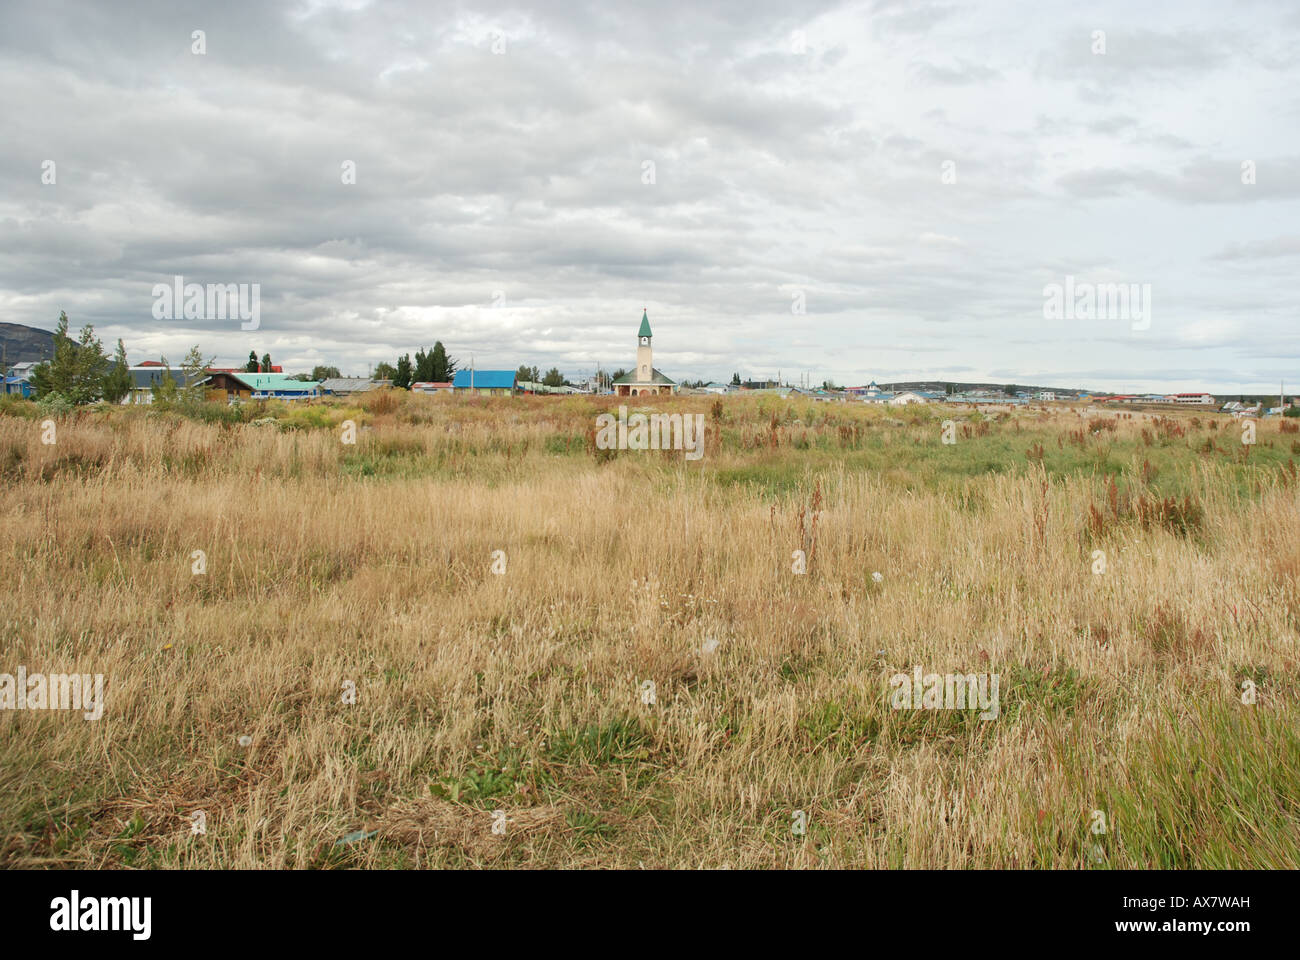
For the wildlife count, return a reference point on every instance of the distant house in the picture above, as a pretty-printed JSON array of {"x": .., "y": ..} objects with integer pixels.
[
  {"x": 222, "y": 384},
  {"x": 267, "y": 385},
  {"x": 146, "y": 377},
  {"x": 493, "y": 383},
  {"x": 18, "y": 386},
  {"x": 1197, "y": 398},
  {"x": 18, "y": 381},
  {"x": 528, "y": 386},
  {"x": 718, "y": 388},
  {"x": 872, "y": 393},
  {"x": 917, "y": 396},
  {"x": 430, "y": 386},
  {"x": 262, "y": 386},
  {"x": 343, "y": 386}
]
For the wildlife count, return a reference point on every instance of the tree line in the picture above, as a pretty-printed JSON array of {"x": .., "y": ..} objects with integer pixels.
[
  {"x": 429, "y": 366},
  {"x": 80, "y": 372}
]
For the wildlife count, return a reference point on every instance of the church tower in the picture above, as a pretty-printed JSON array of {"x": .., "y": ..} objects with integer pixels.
[
  {"x": 644, "y": 354},
  {"x": 644, "y": 379}
]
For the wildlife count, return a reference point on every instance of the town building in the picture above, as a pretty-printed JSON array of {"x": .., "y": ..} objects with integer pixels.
[
  {"x": 644, "y": 379},
  {"x": 259, "y": 386},
  {"x": 346, "y": 386},
  {"x": 487, "y": 383},
  {"x": 534, "y": 388},
  {"x": 146, "y": 377},
  {"x": 19, "y": 386},
  {"x": 914, "y": 396}
]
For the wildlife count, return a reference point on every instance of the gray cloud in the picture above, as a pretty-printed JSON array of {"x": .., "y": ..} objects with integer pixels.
[{"x": 797, "y": 147}]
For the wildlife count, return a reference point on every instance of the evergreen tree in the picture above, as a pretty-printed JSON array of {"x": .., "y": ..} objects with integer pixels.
[
  {"x": 166, "y": 391},
  {"x": 266, "y": 363},
  {"x": 196, "y": 370},
  {"x": 402, "y": 378},
  {"x": 553, "y": 378},
  {"x": 77, "y": 370},
  {"x": 252, "y": 365},
  {"x": 443, "y": 367},
  {"x": 117, "y": 382}
]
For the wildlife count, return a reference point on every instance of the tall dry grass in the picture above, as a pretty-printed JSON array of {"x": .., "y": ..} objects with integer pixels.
[{"x": 371, "y": 565}]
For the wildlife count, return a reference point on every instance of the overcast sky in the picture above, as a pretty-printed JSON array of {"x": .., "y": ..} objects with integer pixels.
[{"x": 915, "y": 173}]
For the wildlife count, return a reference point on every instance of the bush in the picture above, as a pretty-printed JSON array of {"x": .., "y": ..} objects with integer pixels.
[
  {"x": 214, "y": 413},
  {"x": 11, "y": 404},
  {"x": 55, "y": 405},
  {"x": 380, "y": 401}
]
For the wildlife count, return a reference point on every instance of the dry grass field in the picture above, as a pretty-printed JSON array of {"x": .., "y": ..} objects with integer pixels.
[{"x": 648, "y": 682}]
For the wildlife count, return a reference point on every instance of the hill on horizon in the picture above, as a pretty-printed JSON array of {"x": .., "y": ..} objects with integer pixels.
[
  {"x": 938, "y": 386},
  {"x": 20, "y": 343}
]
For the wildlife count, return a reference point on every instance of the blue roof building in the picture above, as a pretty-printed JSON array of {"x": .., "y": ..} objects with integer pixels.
[
  {"x": 18, "y": 386},
  {"x": 488, "y": 382}
]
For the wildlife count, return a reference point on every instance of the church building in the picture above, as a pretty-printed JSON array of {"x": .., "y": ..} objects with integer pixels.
[{"x": 644, "y": 378}]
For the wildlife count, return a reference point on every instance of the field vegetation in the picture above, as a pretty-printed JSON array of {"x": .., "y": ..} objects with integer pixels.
[{"x": 638, "y": 678}]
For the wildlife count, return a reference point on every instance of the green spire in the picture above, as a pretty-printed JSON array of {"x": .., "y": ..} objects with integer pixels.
[{"x": 645, "y": 325}]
